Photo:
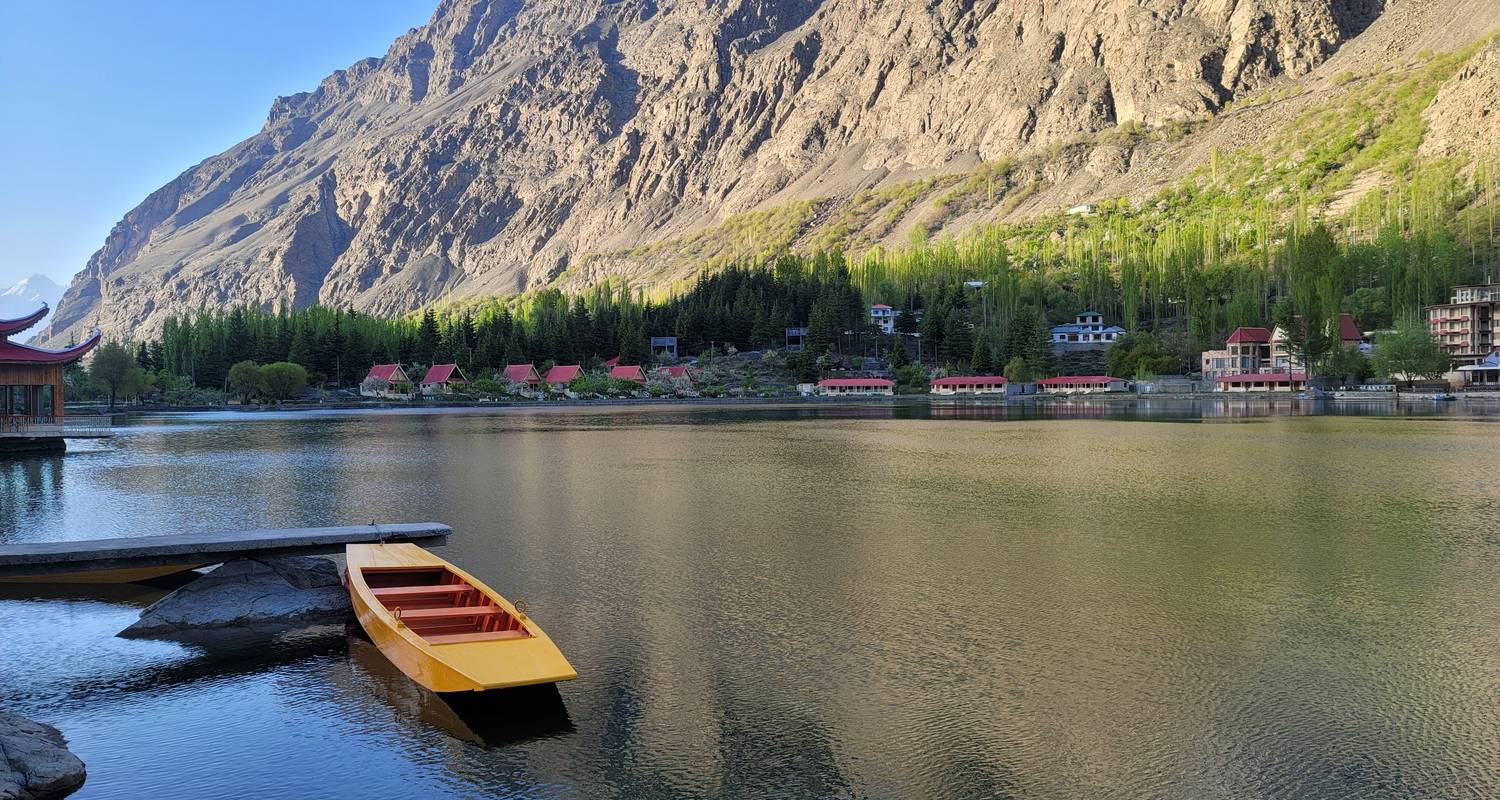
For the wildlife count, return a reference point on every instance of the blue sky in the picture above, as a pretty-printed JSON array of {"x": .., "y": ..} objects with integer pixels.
[{"x": 103, "y": 101}]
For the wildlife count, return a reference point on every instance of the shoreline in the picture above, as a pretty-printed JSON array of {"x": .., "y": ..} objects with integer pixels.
[{"x": 1114, "y": 398}]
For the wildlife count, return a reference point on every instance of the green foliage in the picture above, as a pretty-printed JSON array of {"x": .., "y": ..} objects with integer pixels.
[
  {"x": 1348, "y": 366},
  {"x": 1409, "y": 353},
  {"x": 283, "y": 380},
  {"x": 114, "y": 370},
  {"x": 1018, "y": 371},
  {"x": 1137, "y": 354},
  {"x": 245, "y": 380},
  {"x": 912, "y": 379}
]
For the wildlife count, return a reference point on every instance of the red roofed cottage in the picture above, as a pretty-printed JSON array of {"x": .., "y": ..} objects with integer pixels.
[
  {"x": 856, "y": 387},
  {"x": 386, "y": 380},
  {"x": 1082, "y": 384},
  {"x": 560, "y": 376},
  {"x": 970, "y": 384},
  {"x": 442, "y": 378},
  {"x": 634, "y": 374},
  {"x": 523, "y": 373}
]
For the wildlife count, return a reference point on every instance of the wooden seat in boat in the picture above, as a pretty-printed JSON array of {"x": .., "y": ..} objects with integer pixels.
[
  {"x": 414, "y": 591},
  {"x": 490, "y": 636},
  {"x": 411, "y": 615}
]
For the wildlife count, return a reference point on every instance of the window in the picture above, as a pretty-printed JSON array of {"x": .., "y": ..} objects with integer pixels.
[
  {"x": 44, "y": 402},
  {"x": 18, "y": 400}
]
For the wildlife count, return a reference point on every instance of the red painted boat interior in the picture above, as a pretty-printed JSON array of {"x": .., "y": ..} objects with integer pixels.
[{"x": 440, "y": 606}]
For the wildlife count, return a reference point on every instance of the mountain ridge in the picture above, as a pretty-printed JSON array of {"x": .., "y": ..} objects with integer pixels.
[{"x": 500, "y": 147}]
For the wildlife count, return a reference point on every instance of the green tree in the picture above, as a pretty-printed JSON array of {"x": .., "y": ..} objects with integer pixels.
[
  {"x": 427, "y": 339},
  {"x": 284, "y": 379},
  {"x": 114, "y": 370},
  {"x": 1410, "y": 352},
  {"x": 1348, "y": 366},
  {"x": 245, "y": 380},
  {"x": 1018, "y": 371},
  {"x": 1141, "y": 354}
]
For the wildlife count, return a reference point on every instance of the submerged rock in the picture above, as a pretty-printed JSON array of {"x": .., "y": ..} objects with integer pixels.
[
  {"x": 253, "y": 593},
  {"x": 35, "y": 763}
]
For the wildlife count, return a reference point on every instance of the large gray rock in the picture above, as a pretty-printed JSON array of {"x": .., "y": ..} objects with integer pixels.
[
  {"x": 251, "y": 593},
  {"x": 35, "y": 763}
]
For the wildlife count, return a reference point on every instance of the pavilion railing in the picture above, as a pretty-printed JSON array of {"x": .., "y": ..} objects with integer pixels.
[{"x": 40, "y": 425}]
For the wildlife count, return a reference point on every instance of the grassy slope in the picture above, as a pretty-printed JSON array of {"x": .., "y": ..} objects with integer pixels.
[{"x": 1350, "y": 154}]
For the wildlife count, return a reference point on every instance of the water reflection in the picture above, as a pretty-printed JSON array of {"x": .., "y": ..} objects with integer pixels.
[{"x": 948, "y": 601}]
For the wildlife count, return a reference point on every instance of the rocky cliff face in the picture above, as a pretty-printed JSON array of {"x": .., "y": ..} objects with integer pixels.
[{"x": 490, "y": 149}]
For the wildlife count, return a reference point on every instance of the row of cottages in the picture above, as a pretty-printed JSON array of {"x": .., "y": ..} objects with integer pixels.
[
  {"x": 440, "y": 379},
  {"x": 1256, "y": 359},
  {"x": 560, "y": 376}
]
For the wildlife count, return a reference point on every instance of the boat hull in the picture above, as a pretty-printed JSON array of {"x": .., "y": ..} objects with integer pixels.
[{"x": 468, "y": 666}]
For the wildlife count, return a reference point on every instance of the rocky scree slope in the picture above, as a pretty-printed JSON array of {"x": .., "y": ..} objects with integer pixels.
[{"x": 491, "y": 150}]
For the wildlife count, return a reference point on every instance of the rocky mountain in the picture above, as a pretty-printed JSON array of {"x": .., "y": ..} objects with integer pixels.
[
  {"x": 28, "y": 293},
  {"x": 506, "y": 145}
]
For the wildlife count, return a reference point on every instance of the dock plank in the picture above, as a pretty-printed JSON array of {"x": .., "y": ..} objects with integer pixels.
[{"x": 196, "y": 549}]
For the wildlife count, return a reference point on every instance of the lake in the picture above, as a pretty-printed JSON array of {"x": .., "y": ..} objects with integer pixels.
[{"x": 1077, "y": 600}]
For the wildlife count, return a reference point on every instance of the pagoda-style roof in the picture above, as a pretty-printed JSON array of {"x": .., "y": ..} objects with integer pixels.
[
  {"x": 14, "y": 326},
  {"x": 15, "y": 353}
]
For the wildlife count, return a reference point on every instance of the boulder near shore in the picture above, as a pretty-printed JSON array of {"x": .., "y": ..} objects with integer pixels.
[
  {"x": 35, "y": 763},
  {"x": 289, "y": 591}
]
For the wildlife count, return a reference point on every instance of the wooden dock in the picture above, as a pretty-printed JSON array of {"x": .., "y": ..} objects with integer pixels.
[{"x": 141, "y": 557}]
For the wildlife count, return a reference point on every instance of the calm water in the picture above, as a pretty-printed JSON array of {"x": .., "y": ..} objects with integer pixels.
[{"x": 833, "y": 602}]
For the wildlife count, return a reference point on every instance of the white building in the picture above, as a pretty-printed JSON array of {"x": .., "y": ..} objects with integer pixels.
[
  {"x": 883, "y": 317},
  {"x": 1088, "y": 331}
]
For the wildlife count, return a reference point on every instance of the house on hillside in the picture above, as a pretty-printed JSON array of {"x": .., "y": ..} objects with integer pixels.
[
  {"x": 883, "y": 317},
  {"x": 856, "y": 387},
  {"x": 1281, "y": 355},
  {"x": 970, "y": 384},
  {"x": 796, "y": 339},
  {"x": 612, "y": 363},
  {"x": 633, "y": 374},
  {"x": 677, "y": 374},
  {"x": 396, "y": 385},
  {"x": 1088, "y": 332},
  {"x": 1082, "y": 384},
  {"x": 524, "y": 374},
  {"x": 560, "y": 376},
  {"x": 664, "y": 347},
  {"x": 442, "y": 379}
]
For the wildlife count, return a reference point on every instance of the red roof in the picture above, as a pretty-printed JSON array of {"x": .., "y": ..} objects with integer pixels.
[
  {"x": 522, "y": 373},
  {"x": 10, "y": 326},
  {"x": 1075, "y": 380},
  {"x": 386, "y": 372},
  {"x": 1348, "y": 331},
  {"x": 612, "y": 363},
  {"x": 881, "y": 306},
  {"x": 677, "y": 372},
  {"x": 969, "y": 380},
  {"x": 562, "y": 374},
  {"x": 443, "y": 373},
  {"x": 1263, "y": 377},
  {"x": 13, "y": 353},
  {"x": 857, "y": 383},
  {"x": 1243, "y": 335},
  {"x": 631, "y": 373}
]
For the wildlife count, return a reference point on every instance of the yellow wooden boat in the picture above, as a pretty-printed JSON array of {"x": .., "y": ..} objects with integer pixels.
[{"x": 444, "y": 628}]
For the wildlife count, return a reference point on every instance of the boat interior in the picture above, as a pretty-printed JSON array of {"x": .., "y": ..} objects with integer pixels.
[{"x": 440, "y": 606}]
